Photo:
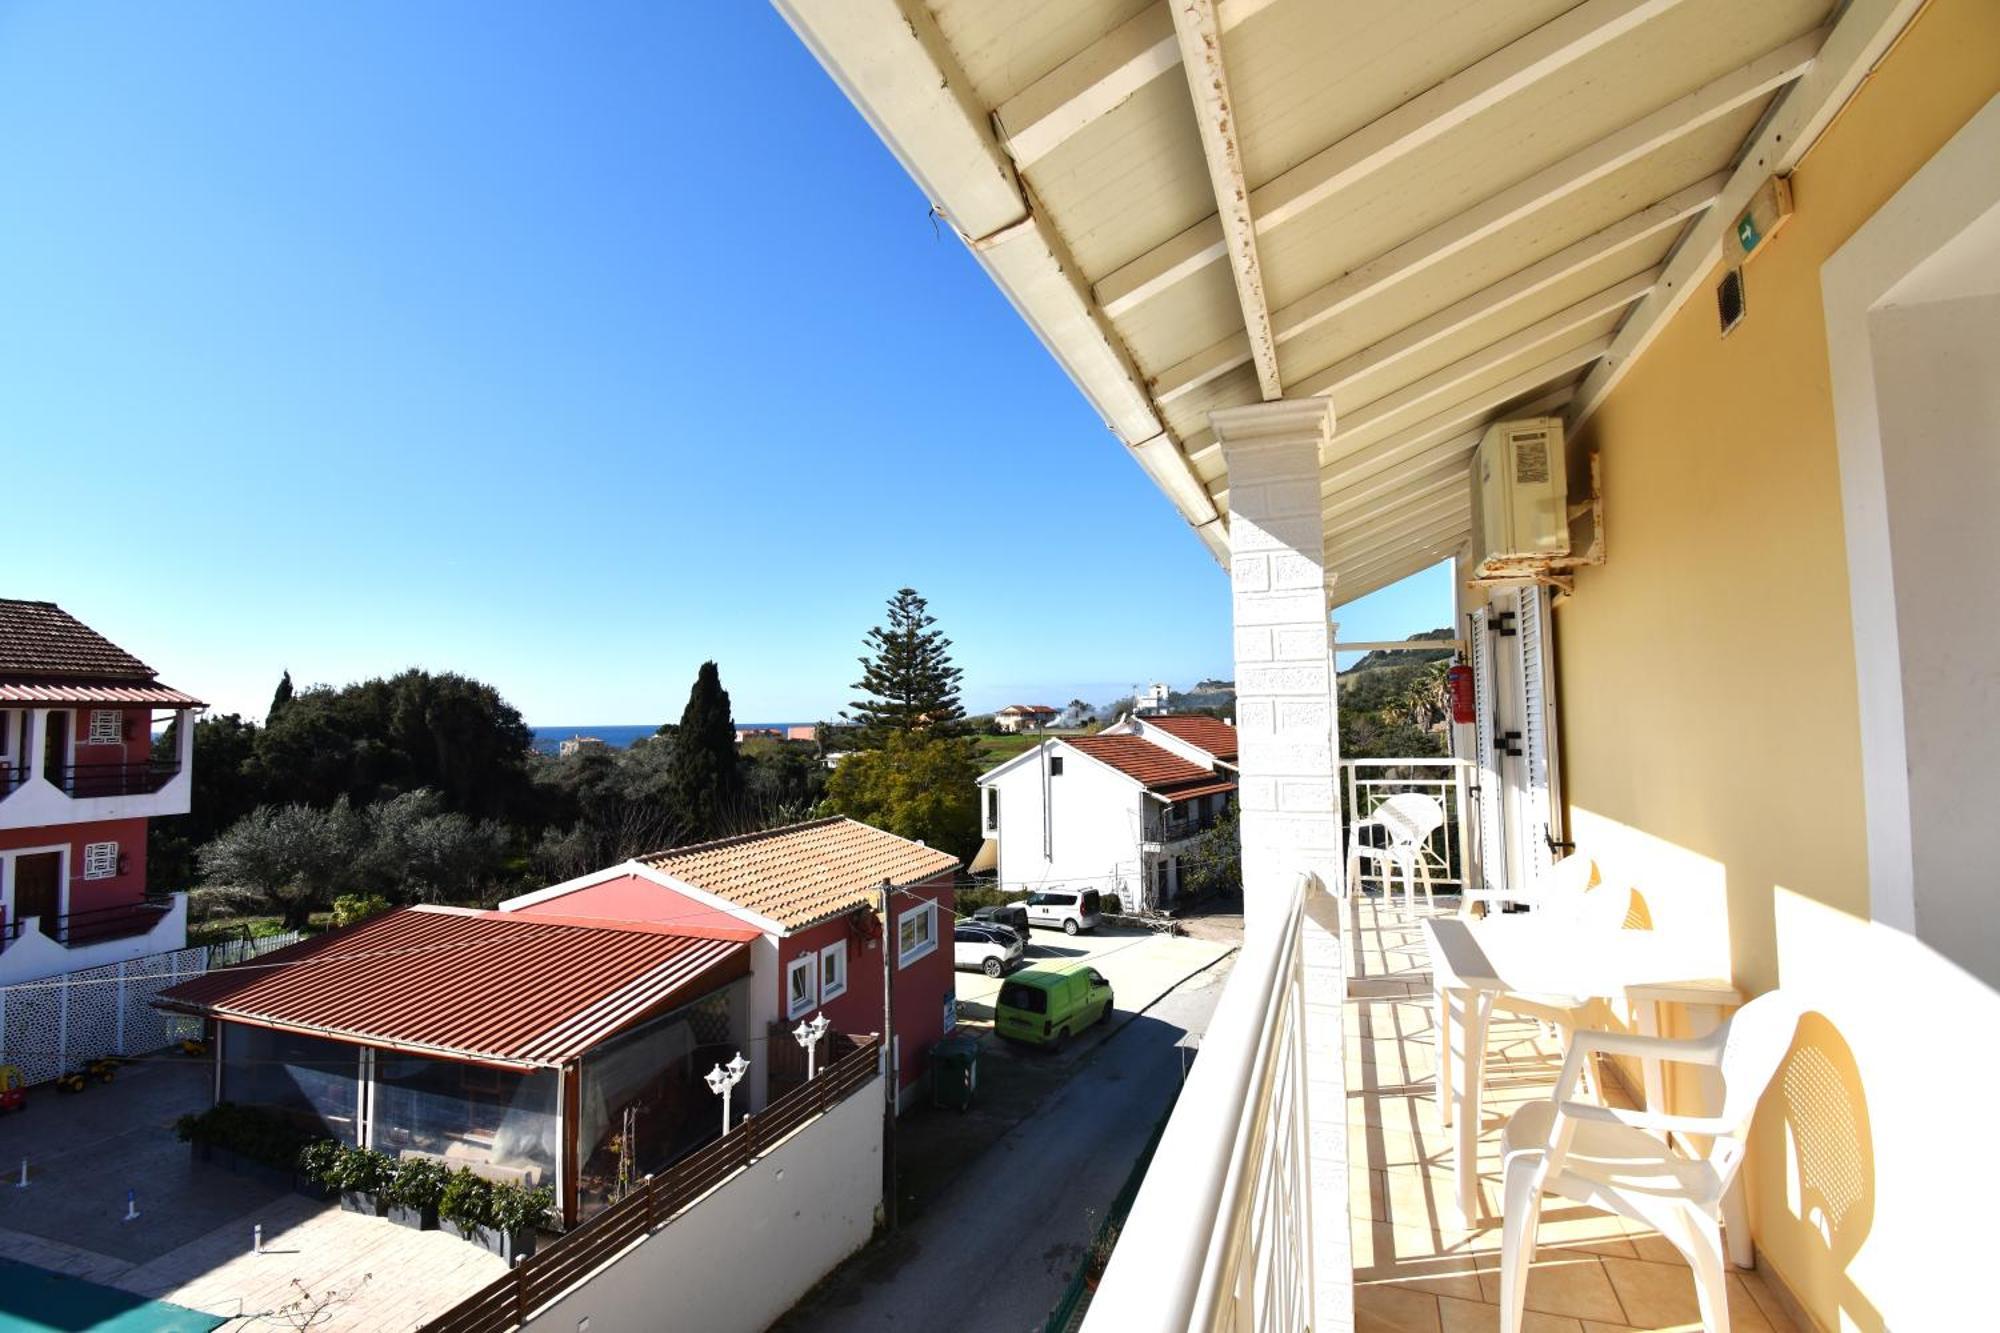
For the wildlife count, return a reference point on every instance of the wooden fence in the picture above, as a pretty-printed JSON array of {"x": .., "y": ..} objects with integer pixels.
[{"x": 506, "y": 1304}]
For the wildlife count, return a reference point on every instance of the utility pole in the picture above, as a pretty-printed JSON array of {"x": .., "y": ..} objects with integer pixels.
[{"x": 889, "y": 945}]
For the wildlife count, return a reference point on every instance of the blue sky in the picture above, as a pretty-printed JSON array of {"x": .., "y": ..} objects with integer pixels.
[{"x": 564, "y": 346}]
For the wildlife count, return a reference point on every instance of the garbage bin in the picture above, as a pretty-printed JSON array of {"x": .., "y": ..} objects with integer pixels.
[{"x": 954, "y": 1072}]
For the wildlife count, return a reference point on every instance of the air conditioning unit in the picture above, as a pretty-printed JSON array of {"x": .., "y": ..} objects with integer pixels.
[{"x": 1520, "y": 498}]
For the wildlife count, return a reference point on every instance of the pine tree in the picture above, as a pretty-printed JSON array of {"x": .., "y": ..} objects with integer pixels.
[
  {"x": 706, "y": 782},
  {"x": 279, "y": 698},
  {"x": 911, "y": 683}
]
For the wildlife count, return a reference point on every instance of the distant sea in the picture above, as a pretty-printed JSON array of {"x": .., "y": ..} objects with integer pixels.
[{"x": 619, "y": 736}]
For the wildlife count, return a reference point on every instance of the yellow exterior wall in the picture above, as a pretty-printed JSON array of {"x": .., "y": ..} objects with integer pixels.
[{"x": 1710, "y": 747}]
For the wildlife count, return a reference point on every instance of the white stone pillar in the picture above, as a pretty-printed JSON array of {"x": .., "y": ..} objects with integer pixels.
[
  {"x": 37, "y": 740},
  {"x": 1284, "y": 650}
]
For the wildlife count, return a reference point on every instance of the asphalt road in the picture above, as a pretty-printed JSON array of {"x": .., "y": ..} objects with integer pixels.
[{"x": 992, "y": 1253}]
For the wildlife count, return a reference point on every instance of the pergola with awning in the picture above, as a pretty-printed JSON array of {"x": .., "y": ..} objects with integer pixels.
[{"x": 1432, "y": 215}]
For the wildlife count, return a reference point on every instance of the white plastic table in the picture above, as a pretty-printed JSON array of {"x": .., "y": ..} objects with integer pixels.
[{"x": 1473, "y": 963}]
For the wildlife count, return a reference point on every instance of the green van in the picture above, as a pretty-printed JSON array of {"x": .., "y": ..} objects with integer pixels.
[{"x": 1050, "y": 1003}]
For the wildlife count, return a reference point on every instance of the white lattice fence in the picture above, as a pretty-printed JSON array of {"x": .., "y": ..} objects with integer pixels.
[{"x": 64, "y": 1021}]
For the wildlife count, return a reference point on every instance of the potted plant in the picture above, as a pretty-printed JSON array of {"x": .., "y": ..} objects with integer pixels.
[
  {"x": 416, "y": 1191},
  {"x": 362, "y": 1176},
  {"x": 318, "y": 1161},
  {"x": 466, "y": 1205},
  {"x": 244, "y": 1140},
  {"x": 516, "y": 1211}
]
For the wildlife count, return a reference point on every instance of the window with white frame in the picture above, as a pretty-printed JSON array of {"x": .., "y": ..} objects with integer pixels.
[
  {"x": 800, "y": 992},
  {"x": 833, "y": 971},
  {"x": 916, "y": 933},
  {"x": 100, "y": 860},
  {"x": 107, "y": 727}
]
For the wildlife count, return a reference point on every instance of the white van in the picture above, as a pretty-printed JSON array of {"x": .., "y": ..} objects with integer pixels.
[{"x": 1072, "y": 910}]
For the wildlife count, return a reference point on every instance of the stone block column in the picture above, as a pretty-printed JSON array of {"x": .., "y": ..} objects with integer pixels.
[{"x": 1285, "y": 701}]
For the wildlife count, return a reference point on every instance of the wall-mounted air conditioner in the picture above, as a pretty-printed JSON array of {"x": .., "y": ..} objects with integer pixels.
[{"x": 1520, "y": 498}]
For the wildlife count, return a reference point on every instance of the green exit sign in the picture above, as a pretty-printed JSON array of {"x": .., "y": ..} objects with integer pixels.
[{"x": 1747, "y": 235}]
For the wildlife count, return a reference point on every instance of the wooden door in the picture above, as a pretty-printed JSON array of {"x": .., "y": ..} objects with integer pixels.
[{"x": 38, "y": 888}]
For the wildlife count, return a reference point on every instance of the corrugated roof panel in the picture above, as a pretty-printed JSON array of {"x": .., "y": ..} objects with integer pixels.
[{"x": 491, "y": 985}]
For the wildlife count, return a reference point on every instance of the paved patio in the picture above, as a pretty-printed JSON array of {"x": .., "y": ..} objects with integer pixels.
[
  {"x": 1416, "y": 1272},
  {"x": 191, "y": 1244}
]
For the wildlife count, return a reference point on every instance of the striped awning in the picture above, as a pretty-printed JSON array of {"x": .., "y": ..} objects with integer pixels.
[{"x": 46, "y": 694}]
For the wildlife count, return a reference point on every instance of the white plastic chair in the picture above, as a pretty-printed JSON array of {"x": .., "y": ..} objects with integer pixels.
[
  {"x": 1409, "y": 819},
  {"x": 1560, "y": 892},
  {"x": 1619, "y": 1161}
]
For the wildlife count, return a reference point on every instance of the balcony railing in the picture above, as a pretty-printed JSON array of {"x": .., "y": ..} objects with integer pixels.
[
  {"x": 86, "y": 780},
  {"x": 74, "y": 930},
  {"x": 1174, "y": 830},
  {"x": 1369, "y": 782},
  {"x": 1224, "y": 1238},
  {"x": 12, "y": 776}
]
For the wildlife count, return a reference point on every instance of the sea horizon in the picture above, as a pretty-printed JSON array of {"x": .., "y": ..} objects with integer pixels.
[{"x": 620, "y": 735}]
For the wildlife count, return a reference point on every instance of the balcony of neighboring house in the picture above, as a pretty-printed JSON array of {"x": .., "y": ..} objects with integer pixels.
[
  {"x": 32, "y": 947},
  {"x": 95, "y": 760}
]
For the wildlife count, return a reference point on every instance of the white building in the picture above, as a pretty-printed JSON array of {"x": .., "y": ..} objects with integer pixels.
[
  {"x": 1112, "y": 812},
  {"x": 1024, "y": 717}
]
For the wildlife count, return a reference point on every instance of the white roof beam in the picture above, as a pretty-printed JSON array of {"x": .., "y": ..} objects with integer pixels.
[
  {"x": 1441, "y": 383},
  {"x": 1200, "y": 37},
  {"x": 1853, "y": 45},
  {"x": 1512, "y": 290},
  {"x": 1472, "y": 414},
  {"x": 1427, "y": 474},
  {"x": 1544, "y": 189},
  {"x": 1413, "y": 552},
  {"x": 1353, "y": 590},
  {"x": 1091, "y": 83},
  {"x": 1418, "y": 514},
  {"x": 1538, "y": 55}
]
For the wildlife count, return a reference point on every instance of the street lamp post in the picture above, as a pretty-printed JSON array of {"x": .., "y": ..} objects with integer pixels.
[
  {"x": 808, "y": 1035},
  {"x": 724, "y": 1077}
]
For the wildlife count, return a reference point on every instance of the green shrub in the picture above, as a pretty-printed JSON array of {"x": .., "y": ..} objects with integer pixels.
[
  {"x": 419, "y": 1183},
  {"x": 350, "y": 908},
  {"x": 261, "y": 1135},
  {"x": 515, "y": 1208},
  {"x": 362, "y": 1171},
  {"x": 467, "y": 1200},
  {"x": 318, "y": 1161}
]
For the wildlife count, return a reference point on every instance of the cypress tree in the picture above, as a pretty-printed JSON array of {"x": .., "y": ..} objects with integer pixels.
[
  {"x": 279, "y": 699},
  {"x": 706, "y": 782},
  {"x": 908, "y": 677}
]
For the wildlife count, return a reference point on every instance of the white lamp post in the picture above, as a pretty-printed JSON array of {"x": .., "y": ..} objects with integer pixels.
[
  {"x": 724, "y": 1077},
  {"x": 808, "y": 1035}
]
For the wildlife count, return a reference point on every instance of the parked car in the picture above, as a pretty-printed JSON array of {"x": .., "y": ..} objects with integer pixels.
[
  {"x": 991, "y": 949},
  {"x": 1050, "y": 1003},
  {"x": 1067, "y": 909},
  {"x": 1012, "y": 915}
]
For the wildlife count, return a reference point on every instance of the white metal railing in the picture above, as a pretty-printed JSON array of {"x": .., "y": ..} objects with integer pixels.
[
  {"x": 1220, "y": 1236},
  {"x": 1366, "y": 783}
]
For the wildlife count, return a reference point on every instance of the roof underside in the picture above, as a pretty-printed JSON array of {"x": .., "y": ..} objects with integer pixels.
[{"x": 1439, "y": 213}]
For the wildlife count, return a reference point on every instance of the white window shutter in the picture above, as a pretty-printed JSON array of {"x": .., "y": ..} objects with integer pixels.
[
  {"x": 1536, "y": 816},
  {"x": 1492, "y": 849}
]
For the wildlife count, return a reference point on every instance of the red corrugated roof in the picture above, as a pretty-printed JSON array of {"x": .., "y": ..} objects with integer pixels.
[
  {"x": 528, "y": 990},
  {"x": 1155, "y": 766},
  {"x": 1199, "y": 730}
]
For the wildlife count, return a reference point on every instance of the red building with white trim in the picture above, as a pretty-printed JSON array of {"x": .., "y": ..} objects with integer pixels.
[
  {"x": 813, "y": 891},
  {"x": 78, "y": 784}
]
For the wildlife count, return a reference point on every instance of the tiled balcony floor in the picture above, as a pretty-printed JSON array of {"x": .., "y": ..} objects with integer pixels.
[{"x": 1416, "y": 1272}]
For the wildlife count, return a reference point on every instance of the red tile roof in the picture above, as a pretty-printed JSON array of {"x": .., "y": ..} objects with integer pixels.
[
  {"x": 805, "y": 873},
  {"x": 529, "y": 990},
  {"x": 1159, "y": 769},
  {"x": 43, "y": 648},
  {"x": 1199, "y": 730}
]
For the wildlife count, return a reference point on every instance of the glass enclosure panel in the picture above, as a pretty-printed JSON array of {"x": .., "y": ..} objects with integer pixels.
[
  {"x": 644, "y": 1102},
  {"x": 501, "y": 1123},
  {"x": 315, "y": 1081}
]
